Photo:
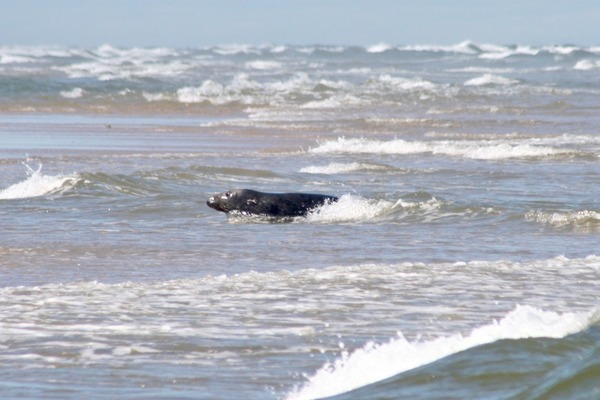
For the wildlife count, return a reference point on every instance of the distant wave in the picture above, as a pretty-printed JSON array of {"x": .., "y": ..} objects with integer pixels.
[
  {"x": 376, "y": 362},
  {"x": 262, "y": 65},
  {"x": 483, "y": 150},
  {"x": 490, "y": 79},
  {"x": 587, "y": 65},
  {"x": 74, "y": 93},
  {"x": 493, "y": 51},
  {"x": 339, "y": 168},
  {"x": 379, "y": 48},
  {"x": 28, "y": 54},
  {"x": 577, "y": 219},
  {"x": 319, "y": 77},
  {"x": 316, "y": 93}
]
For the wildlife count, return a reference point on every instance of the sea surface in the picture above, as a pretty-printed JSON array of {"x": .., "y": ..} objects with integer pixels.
[{"x": 462, "y": 260}]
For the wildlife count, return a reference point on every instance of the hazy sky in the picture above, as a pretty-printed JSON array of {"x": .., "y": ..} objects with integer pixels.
[{"x": 192, "y": 23}]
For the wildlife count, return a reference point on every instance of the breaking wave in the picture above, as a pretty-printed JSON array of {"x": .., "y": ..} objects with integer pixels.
[
  {"x": 481, "y": 150},
  {"x": 376, "y": 362},
  {"x": 580, "y": 220},
  {"x": 312, "y": 77},
  {"x": 340, "y": 168},
  {"x": 353, "y": 208},
  {"x": 490, "y": 79},
  {"x": 38, "y": 184}
]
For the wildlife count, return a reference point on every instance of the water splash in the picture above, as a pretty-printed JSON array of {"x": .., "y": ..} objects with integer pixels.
[{"x": 37, "y": 184}]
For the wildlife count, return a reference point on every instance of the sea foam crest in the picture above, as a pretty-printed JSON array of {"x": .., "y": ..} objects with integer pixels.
[
  {"x": 300, "y": 89},
  {"x": 479, "y": 150},
  {"x": 263, "y": 65},
  {"x": 38, "y": 184},
  {"x": 587, "y": 65},
  {"x": 379, "y": 48},
  {"x": 341, "y": 168},
  {"x": 376, "y": 362},
  {"x": 578, "y": 219},
  {"x": 350, "y": 208},
  {"x": 109, "y": 63},
  {"x": 402, "y": 84},
  {"x": 491, "y": 79},
  {"x": 74, "y": 93}
]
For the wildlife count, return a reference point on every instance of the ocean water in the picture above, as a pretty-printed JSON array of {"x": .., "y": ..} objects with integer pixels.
[{"x": 462, "y": 260}]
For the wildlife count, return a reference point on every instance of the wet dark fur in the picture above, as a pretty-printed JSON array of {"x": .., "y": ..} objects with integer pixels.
[{"x": 248, "y": 201}]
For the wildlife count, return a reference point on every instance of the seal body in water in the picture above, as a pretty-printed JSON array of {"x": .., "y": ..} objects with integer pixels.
[{"x": 252, "y": 202}]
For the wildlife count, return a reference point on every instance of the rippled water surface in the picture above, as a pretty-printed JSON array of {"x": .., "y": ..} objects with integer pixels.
[{"x": 461, "y": 259}]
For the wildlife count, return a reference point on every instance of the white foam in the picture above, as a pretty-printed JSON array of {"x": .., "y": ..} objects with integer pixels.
[
  {"x": 298, "y": 82},
  {"x": 587, "y": 65},
  {"x": 350, "y": 208},
  {"x": 491, "y": 79},
  {"x": 241, "y": 89},
  {"x": 379, "y": 48},
  {"x": 332, "y": 102},
  {"x": 356, "y": 208},
  {"x": 341, "y": 168},
  {"x": 208, "y": 90},
  {"x": 275, "y": 49},
  {"x": 561, "y": 50},
  {"x": 15, "y": 59},
  {"x": 326, "y": 49},
  {"x": 466, "y": 47},
  {"x": 577, "y": 218},
  {"x": 232, "y": 49},
  {"x": 37, "y": 185},
  {"x": 481, "y": 150},
  {"x": 376, "y": 362},
  {"x": 363, "y": 145},
  {"x": 262, "y": 65},
  {"x": 108, "y": 63},
  {"x": 246, "y": 90},
  {"x": 403, "y": 84},
  {"x": 494, "y": 52},
  {"x": 35, "y": 52},
  {"x": 505, "y": 151},
  {"x": 155, "y": 96},
  {"x": 74, "y": 93},
  {"x": 482, "y": 50}
]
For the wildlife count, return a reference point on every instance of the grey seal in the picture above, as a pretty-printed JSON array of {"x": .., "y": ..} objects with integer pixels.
[{"x": 252, "y": 202}]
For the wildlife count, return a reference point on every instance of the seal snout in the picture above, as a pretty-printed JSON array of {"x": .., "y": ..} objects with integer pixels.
[
  {"x": 212, "y": 202},
  {"x": 216, "y": 202}
]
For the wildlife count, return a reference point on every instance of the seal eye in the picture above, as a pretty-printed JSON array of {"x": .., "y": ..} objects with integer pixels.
[{"x": 229, "y": 195}]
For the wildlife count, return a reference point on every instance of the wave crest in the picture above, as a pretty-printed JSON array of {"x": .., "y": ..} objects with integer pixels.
[
  {"x": 340, "y": 168},
  {"x": 479, "y": 150},
  {"x": 376, "y": 362},
  {"x": 38, "y": 184},
  {"x": 584, "y": 219}
]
